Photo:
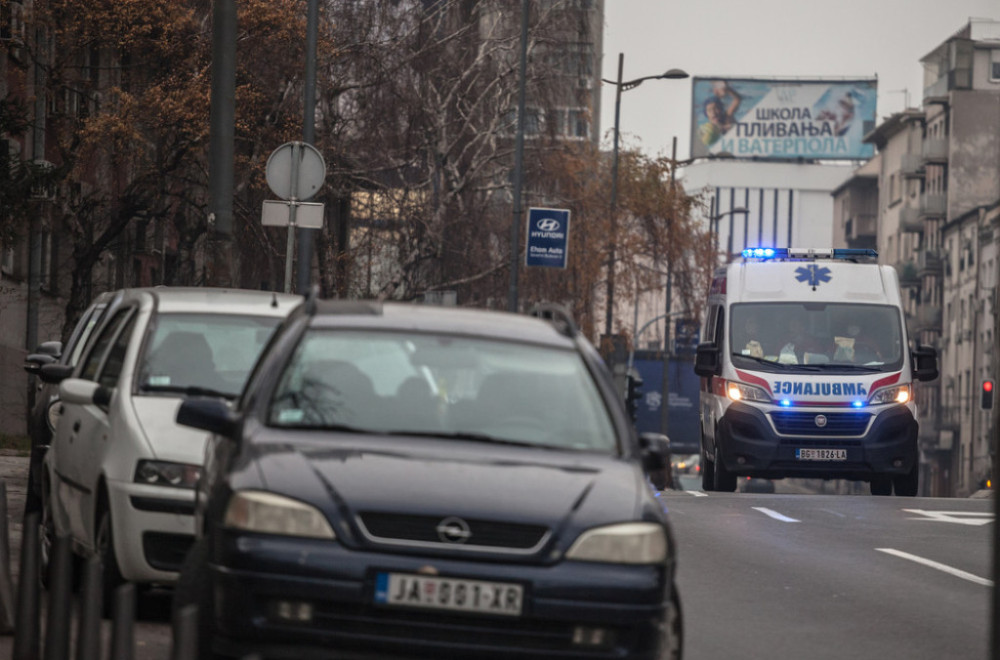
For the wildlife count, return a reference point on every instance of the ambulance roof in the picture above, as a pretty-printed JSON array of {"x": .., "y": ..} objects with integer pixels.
[{"x": 812, "y": 279}]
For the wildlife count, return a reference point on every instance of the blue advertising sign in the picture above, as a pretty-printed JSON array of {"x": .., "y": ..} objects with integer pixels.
[
  {"x": 548, "y": 238},
  {"x": 684, "y": 426},
  {"x": 778, "y": 119}
]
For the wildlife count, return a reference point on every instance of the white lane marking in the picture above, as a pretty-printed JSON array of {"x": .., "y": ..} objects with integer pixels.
[
  {"x": 775, "y": 514},
  {"x": 941, "y": 567},
  {"x": 696, "y": 493},
  {"x": 958, "y": 517}
]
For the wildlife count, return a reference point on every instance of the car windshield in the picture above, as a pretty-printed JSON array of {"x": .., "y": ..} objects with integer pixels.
[
  {"x": 829, "y": 336},
  {"x": 208, "y": 352},
  {"x": 477, "y": 389}
]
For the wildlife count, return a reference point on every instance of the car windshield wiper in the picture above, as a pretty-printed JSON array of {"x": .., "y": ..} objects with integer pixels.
[
  {"x": 190, "y": 390},
  {"x": 473, "y": 437},
  {"x": 770, "y": 363},
  {"x": 853, "y": 367}
]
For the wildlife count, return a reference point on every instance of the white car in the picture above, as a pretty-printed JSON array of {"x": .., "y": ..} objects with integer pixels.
[{"x": 119, "y": 476}]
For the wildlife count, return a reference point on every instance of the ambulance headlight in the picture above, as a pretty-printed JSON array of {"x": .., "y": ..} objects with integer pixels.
[
  {"x": 894, "y": 394},
  {"x": 738, "y": 391}
]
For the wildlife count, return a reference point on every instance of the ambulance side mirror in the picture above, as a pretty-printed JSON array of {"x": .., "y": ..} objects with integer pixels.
[
  {"x": 706, "y": 360},
  {"x": 925, "y": 364}
]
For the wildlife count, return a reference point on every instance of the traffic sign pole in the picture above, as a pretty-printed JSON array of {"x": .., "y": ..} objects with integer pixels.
[{"x": 290, "y": 249}]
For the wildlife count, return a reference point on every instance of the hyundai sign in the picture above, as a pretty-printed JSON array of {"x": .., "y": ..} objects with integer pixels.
[
  {"x": 779, "y": 119},
  {"x": 548, "y": 238}
]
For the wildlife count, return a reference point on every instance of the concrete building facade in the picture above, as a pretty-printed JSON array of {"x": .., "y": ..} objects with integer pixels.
[{"x": 938, "y": 174}]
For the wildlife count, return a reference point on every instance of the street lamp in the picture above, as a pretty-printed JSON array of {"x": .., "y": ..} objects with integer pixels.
[
  {"x": 620, "y": 85},
  {"x": 714, "y": 222}
]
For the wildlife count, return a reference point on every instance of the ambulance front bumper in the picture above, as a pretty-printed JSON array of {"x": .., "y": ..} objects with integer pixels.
[{"x": 782, "y": 442}]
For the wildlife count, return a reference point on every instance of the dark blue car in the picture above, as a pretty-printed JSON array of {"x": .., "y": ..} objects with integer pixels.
[{"x": 410, "y": 481}]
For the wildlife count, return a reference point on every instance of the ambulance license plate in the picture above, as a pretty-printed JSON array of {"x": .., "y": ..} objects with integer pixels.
[
  {"x": 821, "y": 454},
  {"x": 441, "y": 593}
]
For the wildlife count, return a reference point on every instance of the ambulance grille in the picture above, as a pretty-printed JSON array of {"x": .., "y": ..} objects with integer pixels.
[{"x": 837, "y": 423}]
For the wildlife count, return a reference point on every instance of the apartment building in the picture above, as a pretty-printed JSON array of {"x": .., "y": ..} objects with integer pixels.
[{"x": 938, "y": 191}]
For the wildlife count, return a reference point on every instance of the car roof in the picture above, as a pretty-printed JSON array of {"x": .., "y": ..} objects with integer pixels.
[
  {"x": 467, "y": 321},
  {"x": 215, "y": 300}
]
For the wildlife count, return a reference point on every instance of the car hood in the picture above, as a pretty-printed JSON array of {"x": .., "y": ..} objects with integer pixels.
[
  {"x": 168, "y": 440},
  {"x": 512, "y": 484}
]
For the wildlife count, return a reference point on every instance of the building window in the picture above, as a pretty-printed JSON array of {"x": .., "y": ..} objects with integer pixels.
[{"x": 995, "y": 64}]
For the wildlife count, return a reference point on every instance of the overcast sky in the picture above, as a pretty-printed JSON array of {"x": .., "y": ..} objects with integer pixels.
[{"x": 761, "y": 38}]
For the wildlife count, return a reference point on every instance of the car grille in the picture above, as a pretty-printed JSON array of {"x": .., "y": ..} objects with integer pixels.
[
  {"x": 423, "y": 529},
  {"x": 837, "y": 423},
  {"x": 427, "y": 634}
]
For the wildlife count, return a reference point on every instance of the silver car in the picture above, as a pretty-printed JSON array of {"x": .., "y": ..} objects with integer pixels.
[{"x": 119, "y": 475}]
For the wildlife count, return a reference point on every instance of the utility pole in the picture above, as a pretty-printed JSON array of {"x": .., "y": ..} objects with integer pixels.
[
  {"x": 223, "y": 262},
  {"x": 309, "y": 137},
  {"x": 515, "y": 227}
]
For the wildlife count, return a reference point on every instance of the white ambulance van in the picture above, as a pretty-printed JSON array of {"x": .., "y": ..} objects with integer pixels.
[{"x": 807, "y": 371}]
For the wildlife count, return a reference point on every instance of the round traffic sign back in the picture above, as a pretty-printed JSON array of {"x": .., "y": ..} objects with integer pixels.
[{"x": 281, "y": 169}]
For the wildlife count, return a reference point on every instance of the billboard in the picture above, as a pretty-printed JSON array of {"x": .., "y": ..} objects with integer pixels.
[{"x": 781, "y": 119}]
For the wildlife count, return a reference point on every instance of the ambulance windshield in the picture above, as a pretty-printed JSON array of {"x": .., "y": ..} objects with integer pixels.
[{"x": 836, "y": 335}]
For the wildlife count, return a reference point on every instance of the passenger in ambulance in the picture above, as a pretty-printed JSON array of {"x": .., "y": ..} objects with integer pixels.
[
  {"x": 800, "y": 347},
  {"x": 748, "y": 341},
  {"x": 855, "y": 346}
]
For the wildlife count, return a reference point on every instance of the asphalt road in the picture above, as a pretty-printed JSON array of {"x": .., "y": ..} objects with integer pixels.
[
  {"x": 829, "y": 576},
  {"x": 793, "y": 574}
]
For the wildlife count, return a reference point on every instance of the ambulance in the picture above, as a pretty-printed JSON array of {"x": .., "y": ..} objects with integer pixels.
[{"x": 807, "y": 371}]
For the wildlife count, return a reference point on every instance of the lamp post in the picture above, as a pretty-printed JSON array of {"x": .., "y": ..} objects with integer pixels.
[
  {"x": 714, "y": 222},
  {"x": 620, "y": 86}
]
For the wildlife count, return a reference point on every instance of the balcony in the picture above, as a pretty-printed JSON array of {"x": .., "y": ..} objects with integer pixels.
[
  {"x": 929, "y": 262},
  {"x": 910, "y": 220},
  {"x": 935, "y": 150},
  {"x": 863, "y": 226},
  {"x": 928, "y": 317},
  {"x": 912, "y": 166},
  {"x": 938, "y": 92},
  {"x": 933, "y": 205},
  {"x": 907, "y": 271}
]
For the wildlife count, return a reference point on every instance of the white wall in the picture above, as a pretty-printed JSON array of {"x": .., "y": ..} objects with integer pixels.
[{"x": 779, "y": 196}]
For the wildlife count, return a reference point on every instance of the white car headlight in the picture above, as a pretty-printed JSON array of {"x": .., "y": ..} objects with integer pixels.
[
  {"x": 894, "y": 394},
  {"x": 624, "y": 543},
  {"x": 267, "y": 513},
  {"x": 738, "y": 391},
  {"x": 167, "y": 473}
]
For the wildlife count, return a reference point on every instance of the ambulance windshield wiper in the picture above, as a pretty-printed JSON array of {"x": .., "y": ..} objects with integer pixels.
[
  {"x": 854, "y": 367},
  {"x": 770, "y": 363}
]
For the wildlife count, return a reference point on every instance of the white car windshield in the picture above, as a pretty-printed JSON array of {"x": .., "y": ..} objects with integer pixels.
[
  {"x": 389, "y": 382},
  {"x": 213, "y": 352}
]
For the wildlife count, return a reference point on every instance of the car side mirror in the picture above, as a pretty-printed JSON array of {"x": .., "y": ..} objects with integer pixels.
[
  {"x": 35, "y": 361},
  {"x": 706, "y": 360},
  {"x": 925, "y": 364},
  {"x": 208, "y": 414},
  {"x": 55, "y": 373},
  {"x": 655, "y": 449},
  {"x": 85, "y": 392}
]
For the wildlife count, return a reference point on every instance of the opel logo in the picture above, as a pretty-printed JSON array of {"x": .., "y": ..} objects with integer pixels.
[
  {"x": 548, "y": 224},
  {"x": 820, "y": 420},
  {"x": 453, "y": 530}
]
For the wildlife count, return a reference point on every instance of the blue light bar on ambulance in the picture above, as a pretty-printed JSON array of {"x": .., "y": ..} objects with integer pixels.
[{"x": 808, "y": 253}]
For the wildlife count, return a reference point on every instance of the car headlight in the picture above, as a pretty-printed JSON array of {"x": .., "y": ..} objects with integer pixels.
[
  {"x": 894, "y": 394},
  {"x": 624, "y": 543},
  {"x": 267, "y": 513},
  {"x": 166, "y": 473},
  {"x": 738, "y": 391},
  {"x": 52, "y": 414}
]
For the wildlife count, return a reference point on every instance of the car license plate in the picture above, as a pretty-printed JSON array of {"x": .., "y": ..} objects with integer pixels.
[
  {"x": 443, "y": 593},
  {"x": 821, "y": 454}
]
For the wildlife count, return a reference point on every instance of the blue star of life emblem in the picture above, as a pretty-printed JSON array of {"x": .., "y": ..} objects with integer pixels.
[{"x": 812, "y": 274}]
